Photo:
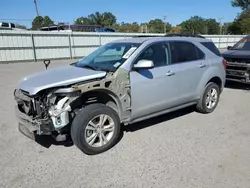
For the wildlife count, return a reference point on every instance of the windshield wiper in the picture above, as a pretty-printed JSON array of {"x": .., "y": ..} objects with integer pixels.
[{"x": 89, "y": 67}]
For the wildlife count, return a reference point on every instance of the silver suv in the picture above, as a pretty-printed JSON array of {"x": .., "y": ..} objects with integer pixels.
[{"x": 120, "y": 83}]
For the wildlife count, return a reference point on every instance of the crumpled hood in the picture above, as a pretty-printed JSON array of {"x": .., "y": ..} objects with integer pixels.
[
  {"x": 61, "y": 76},
  {"x": 241, "y": 54}
]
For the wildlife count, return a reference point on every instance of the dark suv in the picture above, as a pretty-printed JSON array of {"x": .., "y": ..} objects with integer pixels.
[{"x": 238, "y": 61}]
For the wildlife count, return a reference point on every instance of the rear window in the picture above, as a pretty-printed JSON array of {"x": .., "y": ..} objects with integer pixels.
[{"x": 211, "y": 47}]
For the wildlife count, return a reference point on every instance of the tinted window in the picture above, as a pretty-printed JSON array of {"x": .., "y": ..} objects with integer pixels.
[
  {"x": 158, "y": 53},
  {"x": 4, "y": 24},
  {"x": 211, "y": 47},
  {"x": 243, "y": 44},
  {"x": 185, "y": 51},
  {"x": 12, "y": 25}
]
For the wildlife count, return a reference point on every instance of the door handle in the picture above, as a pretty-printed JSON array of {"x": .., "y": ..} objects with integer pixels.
[
  {"x": 202, "y": 65},
  {"x": 170, "y": 73}
]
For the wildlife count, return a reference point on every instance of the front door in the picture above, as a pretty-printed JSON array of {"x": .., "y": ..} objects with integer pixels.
[{"x": 154, "y": 90}]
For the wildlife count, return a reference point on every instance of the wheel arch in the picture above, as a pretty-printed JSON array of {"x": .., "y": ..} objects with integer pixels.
[
  {"x": 212, "y": 75},
  {"x": 103, "y": 96},
  {"x": 217, "y": 80}
]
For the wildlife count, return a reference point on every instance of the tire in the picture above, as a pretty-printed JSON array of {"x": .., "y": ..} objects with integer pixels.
[
  {"x": 203, "y": 106},
  {"x": 87, "y": 123}
]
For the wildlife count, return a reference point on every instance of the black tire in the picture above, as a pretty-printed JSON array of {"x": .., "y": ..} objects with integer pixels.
[
  {"x": 81, "y": 121},
  {"x": 201, "y": 106}
]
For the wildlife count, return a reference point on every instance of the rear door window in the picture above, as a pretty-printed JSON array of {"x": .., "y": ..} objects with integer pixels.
[{"x": 185, "y": 51}]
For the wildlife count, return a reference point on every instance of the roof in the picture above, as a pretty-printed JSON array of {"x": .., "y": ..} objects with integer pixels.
[{"x": 155, "y": 39}]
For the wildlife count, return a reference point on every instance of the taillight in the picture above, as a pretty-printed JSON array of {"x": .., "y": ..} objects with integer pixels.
[{"x": 224, "y": 62}]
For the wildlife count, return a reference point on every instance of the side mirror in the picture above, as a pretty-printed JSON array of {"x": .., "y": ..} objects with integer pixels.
[
  {"x": 144, "y": 64},
  {"x": 229, "y": 47}
]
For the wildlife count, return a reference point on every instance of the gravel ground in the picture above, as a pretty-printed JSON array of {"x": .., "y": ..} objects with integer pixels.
[{"x": 181, "y": 149}]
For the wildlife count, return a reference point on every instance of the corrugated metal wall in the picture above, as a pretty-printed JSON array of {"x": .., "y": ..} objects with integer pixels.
[{"x": 37, "y": 45}]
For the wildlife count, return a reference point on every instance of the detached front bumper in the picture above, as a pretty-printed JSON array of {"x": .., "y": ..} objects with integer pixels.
[{"x": 30, "y": 127}]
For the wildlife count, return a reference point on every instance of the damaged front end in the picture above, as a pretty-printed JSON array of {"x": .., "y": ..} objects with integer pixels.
[{"x": 47, "y": 113}]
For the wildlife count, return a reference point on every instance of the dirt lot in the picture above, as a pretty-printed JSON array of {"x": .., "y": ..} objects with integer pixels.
[{"x": 183, "y": 149}]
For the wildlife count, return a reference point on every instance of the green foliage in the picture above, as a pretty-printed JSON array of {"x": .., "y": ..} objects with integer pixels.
[
  {"x": 234, "y": 28},
  {"x": 243, "y": 4},
  {"x": 83, "y": 21},
  {"x": 39, "y": 22},
  {"x": 157, "y": 26},
  {"x": 199, "y": 25},
  {"x": 47, "y": 21},
  {"x": 128, "y": 27},
  {"x": 212, "y": 26},
  {"x": 103, "y": 19}
]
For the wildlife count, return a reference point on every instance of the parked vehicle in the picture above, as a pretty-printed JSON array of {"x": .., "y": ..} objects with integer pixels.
[
  {"x": 7, "y": 26},
  {"x": 238, "y": 61},
  {"x": 120, "y": 83},
  {"x": 104, "y": 29}
]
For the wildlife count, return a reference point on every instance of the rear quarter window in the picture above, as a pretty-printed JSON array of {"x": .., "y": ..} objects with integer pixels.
[{"x": 211, "y": 47}]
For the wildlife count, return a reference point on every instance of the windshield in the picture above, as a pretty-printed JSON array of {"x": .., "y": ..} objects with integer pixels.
[
  {"x": 243, "y": 44},
  {"x": 108, "y": 57}
]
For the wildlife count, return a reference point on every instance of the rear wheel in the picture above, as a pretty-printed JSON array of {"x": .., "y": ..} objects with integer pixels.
[
  {"x": 95, "y": 129},
  {"x": 210, "y": 99}
]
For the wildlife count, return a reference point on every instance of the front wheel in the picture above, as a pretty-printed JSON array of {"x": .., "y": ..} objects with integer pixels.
[
  {"x": 210, "y": 99},
  {"x": 95, "y": 129}
]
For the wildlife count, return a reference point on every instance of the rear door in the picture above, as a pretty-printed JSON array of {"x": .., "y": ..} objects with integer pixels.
[{"x": 192, "y": 66}]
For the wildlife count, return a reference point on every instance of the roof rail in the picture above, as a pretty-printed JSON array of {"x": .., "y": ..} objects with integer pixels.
[
  {"x": 184, "y": 35},
  {"x": 147, "y": 36}
]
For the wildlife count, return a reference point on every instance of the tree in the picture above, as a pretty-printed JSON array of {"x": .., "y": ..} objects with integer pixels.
[
  {"x": 103, "y": 19},
  {"x": 234, "y": 28},
  {"x": 37, "y": 23},
  {"x": 241, "y": 24},
  {"x": 176, "y": 29},
  {"x": 128, "y": 27},
  {"x": 194, "y": 25},
  {"x": 243, "y": 4},
  {"x": 157, "y": 26},
  {"x": 40, "y": 21},
  {"x": 212, "y": 26},
  {"x": 83, "y": 21},
  {"x": 108, "y": 19},
  {"x": 245, "y": 25},
  {"x": 47, "y": 21},
  {"x": 199, "y": 25}
]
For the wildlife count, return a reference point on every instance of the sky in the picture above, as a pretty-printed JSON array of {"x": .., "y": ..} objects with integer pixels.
[{"x": 176, "y": 11}]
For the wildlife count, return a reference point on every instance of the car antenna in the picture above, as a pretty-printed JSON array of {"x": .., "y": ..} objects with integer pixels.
[{"x": 46, "y": 63}]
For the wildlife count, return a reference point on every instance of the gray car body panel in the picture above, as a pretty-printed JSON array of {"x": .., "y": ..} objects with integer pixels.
[
  {"x": 152, "y": 91},
  {"x": 62, "y": 76}
]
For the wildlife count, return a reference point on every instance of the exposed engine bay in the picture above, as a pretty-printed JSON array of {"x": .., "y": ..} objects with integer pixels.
[{"x": 50, "y": 110}]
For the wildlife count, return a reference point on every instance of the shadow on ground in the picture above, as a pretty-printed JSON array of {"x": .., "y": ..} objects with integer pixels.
[
  {"x": 237, "y": 85},
  {"x": 156, "y": 120},
  {"x": 47, "y": 141}
]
